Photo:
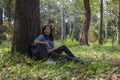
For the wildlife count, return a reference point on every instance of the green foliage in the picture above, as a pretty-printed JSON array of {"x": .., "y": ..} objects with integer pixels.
[
  {"x": 69, "y": 41},
  {"x": 9, "y": 9},
  {"x": 114, "y": 9},
  {"x": 93, "y": 34},
  {"x": 50, "y": 10},
  {"x": 3, "y": 29},
  {"x": 8, "y": 28}
]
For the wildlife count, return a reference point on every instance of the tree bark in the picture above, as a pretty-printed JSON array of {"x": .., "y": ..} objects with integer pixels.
[
  {"x": 26, "y": 25},
  {"x": 86, "y": 24},
  {"x": 106, "y": 29},
  {"x": 118, "y": 26},
  {"x": 1, "y": 22},
  {"x": 63, "y": 27},
  {"x": 101, "y": 23}
]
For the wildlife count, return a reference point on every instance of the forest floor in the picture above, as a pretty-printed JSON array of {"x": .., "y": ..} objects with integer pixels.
[{"x": 105, "y": 64}]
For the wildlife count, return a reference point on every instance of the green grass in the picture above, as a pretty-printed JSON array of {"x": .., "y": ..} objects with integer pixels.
[{"x": 106, "y": 62}]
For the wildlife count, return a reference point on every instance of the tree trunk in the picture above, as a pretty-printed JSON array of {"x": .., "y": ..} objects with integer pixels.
[
  {"x": 86, "y": 24},
  {"x": 63, "y": 27},
  {"x": 26, "y": 25},
  {"x": 101, "y": 23},
  {"x": 106, "y": 29},
  {"x": 1, "y": 22},
  {"x": 74, "y": 20},
  {"x": 118, "y": 26}
]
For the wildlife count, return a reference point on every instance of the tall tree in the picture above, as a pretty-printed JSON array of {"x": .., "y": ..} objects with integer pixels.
[
  {"x": 118, "y": 25},
  {"x": 101, "y": 22},
  {"x": 1, "y": 20},
  {"x": 114, "y": 12},
  {"x": 63, "y": 27},
  {"x": 26, "y": 25},
  {"x": 86, "y": 23}
]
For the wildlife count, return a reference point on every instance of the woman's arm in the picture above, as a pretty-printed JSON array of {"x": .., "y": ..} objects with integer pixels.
[
  {"x": 42, "y": 42},
  {"x": 46, "y": 43}
]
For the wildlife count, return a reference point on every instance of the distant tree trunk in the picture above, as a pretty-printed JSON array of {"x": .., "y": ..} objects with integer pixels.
[
  {"x": 63, "y": 27},
  {"x": 86, "y": 24},
  {"x": 118, "y": 26},
  {"x": 1, "y": 22},
  {"x": 101, "y": 23},
  {"x": 75, "y": 20},
  {"x": 26, "y": 25},
  {"x": 106, "y": 29}
]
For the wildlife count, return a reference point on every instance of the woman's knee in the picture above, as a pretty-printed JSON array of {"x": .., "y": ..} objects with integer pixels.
[{"x": 63, "y": 46}]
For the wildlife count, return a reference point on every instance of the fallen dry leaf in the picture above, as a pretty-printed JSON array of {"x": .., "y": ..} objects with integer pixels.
[{"x": 45, "y": 77}]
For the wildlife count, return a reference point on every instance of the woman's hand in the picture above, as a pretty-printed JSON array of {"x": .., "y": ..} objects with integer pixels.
[
  {"x": 51, "y": 50},
  {"x": 48, "y": 45}
]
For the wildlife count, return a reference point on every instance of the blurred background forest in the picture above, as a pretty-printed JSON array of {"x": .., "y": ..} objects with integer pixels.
[{"x": 72, "y": 12}]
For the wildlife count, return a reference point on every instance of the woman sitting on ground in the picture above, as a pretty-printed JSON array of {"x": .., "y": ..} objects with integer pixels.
[{"x": 46, "y": 38}]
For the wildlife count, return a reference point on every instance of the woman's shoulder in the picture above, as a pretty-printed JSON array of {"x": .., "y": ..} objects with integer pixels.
[{"x": 41, "y": 35}]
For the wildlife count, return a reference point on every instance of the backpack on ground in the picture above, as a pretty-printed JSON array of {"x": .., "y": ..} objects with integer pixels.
[{"x": 38, "y": 51}]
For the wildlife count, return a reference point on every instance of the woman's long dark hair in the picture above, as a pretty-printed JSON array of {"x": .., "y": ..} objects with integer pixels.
[{"x": 51, "y": 37}]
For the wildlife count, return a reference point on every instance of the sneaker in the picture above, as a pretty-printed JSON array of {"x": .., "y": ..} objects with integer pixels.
[{"x": 87, "y": 61}]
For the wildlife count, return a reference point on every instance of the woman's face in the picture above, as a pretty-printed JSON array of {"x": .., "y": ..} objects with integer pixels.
[{"x": 47, "y": 31}]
